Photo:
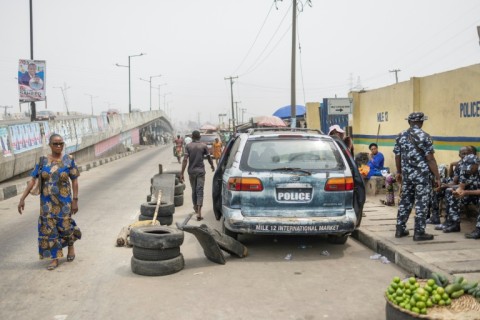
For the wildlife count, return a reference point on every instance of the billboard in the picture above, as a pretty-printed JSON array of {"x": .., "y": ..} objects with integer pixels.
[{"x": 31, "y": 80}]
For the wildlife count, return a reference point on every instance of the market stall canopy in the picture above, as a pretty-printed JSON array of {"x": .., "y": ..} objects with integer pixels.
[
  {"x": 286, "y": 112},
  {"x": 268, "y": 121},
  {"x": 208, "y": 127}
]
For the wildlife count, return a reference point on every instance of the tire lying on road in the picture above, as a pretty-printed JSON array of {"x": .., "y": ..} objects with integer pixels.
[
  {"x": 179, "y": 189},
  {"x": 147, "y": 209},
  {"x": 178, "y": 200},
  {"x": 157, "y": 268},
  {"x": 156, "y": 237},
  {"x": 140, "y": 253},
  {"x": 164, "y": 221}
]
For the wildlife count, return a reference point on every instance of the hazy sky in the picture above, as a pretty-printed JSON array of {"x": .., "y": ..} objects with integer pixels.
[{"x": 195, "y": 44}]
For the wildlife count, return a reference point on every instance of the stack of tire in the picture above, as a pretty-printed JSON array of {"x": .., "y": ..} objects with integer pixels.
[
  {"x": 178, "y": 194},
  {"x": 164, "y": 215},
  {"x": 156, "y": 250}
]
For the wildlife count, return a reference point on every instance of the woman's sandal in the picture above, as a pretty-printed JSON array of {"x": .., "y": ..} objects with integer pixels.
[
  {"x": 199, "y": 218},
  {"x": 52, "y": 266}
]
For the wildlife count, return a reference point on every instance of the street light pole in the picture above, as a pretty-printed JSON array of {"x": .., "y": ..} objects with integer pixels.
[
  {"x": 129, "y": 84},
  {"x": 164, "y": 103},
  {"x": 150, "y": 82},
  {"x": 64, "y": 98},
  {"x": 33, "y": 109}
]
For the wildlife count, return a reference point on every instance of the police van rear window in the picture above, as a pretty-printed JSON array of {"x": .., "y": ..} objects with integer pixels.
[{"x": 308, "y": 154}]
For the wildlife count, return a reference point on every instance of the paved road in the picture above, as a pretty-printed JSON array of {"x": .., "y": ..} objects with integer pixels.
[{"x": 99, "y": 284}]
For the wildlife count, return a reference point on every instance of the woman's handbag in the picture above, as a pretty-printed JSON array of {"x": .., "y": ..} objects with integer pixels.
[{"x": 38, "y": 181}]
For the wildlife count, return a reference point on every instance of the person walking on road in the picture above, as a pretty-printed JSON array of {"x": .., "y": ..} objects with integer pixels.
[
  {"x": 58, "y": 201},
  {"x": 194, "y": 154},
  {"x": 217, "y": 150},
  {"x": 415, "y": 162}
]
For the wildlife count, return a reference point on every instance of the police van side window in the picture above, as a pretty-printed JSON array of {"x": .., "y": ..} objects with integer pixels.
[{"x": 233, "y": 152}]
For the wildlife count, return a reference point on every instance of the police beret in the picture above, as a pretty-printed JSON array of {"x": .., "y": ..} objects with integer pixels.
[{"x": 416, "y": 116}]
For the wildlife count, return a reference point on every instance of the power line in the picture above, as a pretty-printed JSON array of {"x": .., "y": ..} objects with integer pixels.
[
  {"x": 256, "y": 37},
  {"x": 268, "y": 43}
]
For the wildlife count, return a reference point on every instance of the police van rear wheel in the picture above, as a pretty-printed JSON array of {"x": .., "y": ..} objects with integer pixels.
[
  {"x": 337, "y": 239},
  {"x": 227, "y": 232}
]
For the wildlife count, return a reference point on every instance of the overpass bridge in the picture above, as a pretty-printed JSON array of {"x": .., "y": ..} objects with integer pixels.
[{"x": 86, "y": 138}]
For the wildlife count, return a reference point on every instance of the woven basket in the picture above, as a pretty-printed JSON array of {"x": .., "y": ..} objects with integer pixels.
[{"x": 464, "y": 308}]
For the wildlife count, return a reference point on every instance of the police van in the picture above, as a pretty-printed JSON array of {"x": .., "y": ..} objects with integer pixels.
[{"x": 288, "y": 181}]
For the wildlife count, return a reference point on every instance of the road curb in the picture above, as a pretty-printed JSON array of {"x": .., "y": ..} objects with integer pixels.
[
  {"x": 10, "y": 190},
  {"x": 402, "y": 258}
]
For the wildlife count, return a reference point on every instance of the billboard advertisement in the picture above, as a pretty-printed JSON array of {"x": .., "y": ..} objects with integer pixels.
[{"x": 31, "y": 80}]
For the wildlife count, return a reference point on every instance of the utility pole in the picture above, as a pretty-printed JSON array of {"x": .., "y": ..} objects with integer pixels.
[
  {"x": 293, "y": 112},
  {"x": 64, "y": 96},
  {"x": 91, "y": 100},
  {"x": 236, "y": 111},
  {"x": 243, "y": 114},
  {"x": 396, "y": 74},
  {"x": 5, "y": 107},
  {"x": 231, "y": 93}
]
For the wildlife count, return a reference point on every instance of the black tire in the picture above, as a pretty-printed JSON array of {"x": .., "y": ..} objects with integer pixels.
[
  {"x": 156, "y": 237},
  {"x": 157, "y": 268},
  {"x": 178, "y": 200},
  {"x": 164, "y": 221},
  {"x": 155, "y": 254},
  {"x": 338, "y": 239},
  {"x": 147, "y": 209},
  {"x": 177, "y": 173},
  {"x": 149, "y": 198},
  {"x": 179, "y": 189}
]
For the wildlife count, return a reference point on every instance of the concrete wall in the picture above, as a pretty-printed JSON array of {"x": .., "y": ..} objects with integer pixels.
[
  {"x": 23, "y": 143},
  {"x": 312, "y": 112},
  {"x": 451, "y": 100}
]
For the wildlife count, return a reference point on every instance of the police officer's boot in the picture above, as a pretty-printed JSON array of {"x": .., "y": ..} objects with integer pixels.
[
  {"x": 454, "y": 227},
  {"x": 401, "y": 232},
  {"x": 434, "y": 219},
  {"x": 422, "y": 236},
  {"x": 474, "y": 235}
]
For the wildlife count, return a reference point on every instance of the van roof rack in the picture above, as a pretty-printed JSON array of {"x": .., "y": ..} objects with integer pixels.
[{"x": 285, "y": 129}]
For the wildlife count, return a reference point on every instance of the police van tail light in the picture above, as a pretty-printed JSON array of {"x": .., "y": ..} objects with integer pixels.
[
  {"x": 244, "y": 184},
  {"x": 339, "y": 184}
]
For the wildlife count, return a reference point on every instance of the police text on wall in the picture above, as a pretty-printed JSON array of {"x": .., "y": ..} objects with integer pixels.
[{"x": 470, "y": 109}]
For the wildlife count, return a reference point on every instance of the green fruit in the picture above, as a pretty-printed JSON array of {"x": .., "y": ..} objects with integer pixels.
[
  {"x": 445, "y": 296},
  {"x": 429, "y": 303},
  {"x": 417, "y": 285},
  {"x": 420, "y": 305},
  {"x": 408, "y": 292},
  {"x": 408, "y": 306},
  {"x": 415, "y": 309},
  {"x": 412, "y": 280},
  {"x": 457, "y": 294},
  {"x": 394, "y": 285},
  {"x": 431, "y": 282},
  {"x": 402, "y": 304},
  {"x": 428, "y": 288},
  {"x": 440, "y": 290},
  {"x": 441, "y": 302},
  {"x": 448, "y": 302},
  {"x": 399, "y": 299},
  {"x": 390, "y": 290},
  {"x": 423, "y": 311},
  {"x": 396, "y": 279},
  {"x": 407, "y": 285},
  {"x": 437, "y": 297},
  {"x": 435, "y": 287},
  {"x": 421, "y": 291}
]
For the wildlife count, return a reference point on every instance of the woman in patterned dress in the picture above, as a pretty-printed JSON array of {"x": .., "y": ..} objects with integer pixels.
[{"x": 58, "y": 201}]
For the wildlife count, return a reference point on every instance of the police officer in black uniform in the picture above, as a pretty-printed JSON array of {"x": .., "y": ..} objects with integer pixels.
[{"x": 415, "y": 162}]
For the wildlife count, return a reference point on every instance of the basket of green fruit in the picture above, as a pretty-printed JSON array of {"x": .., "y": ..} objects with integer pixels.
[{"x": 436, "y": 299}]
